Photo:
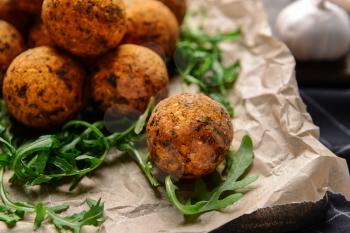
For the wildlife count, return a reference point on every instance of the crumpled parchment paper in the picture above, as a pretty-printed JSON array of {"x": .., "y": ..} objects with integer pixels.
[{"x": 292, "y": 164}]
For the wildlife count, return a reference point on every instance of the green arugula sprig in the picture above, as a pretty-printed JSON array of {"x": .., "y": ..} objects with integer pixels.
[
  {"x": 12, "y": 212},
  {"x": 72, "y": 154},
  {"x": 227, "y": 190},
  {"x": 199, "y": 61},
  {"x": 77, "y": 150}
]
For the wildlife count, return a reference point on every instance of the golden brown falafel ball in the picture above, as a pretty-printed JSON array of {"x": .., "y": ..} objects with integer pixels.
[
  {"x": 30, "y": 6},
  {"x": 39, "y": 36},
  {"x": 178, "y": 7},
  {"x": 151, "y": 23},
  {"x": 43, "y": 88},
  {"x": 11, "y": 44},
  {"x": 9, "y": 13},
  {"x": 189, "y": 135},
  {"x": 85, "y": 28},
  {"x": 128, "y": 77}
]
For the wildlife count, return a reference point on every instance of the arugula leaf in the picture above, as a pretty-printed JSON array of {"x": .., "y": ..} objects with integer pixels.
[
  {"x": 59, "y": 208},
  {"x": 142, "y": 121},
  {"x": 143, "y": 159},
  {"x": 187, "y": 209},
  {"x": 225, "y": 193},
  {"x": 5, "y": 159},
  {"x": 40, "y": 211},
  {"x": 224, "y": 102},
  {"x": 94, "y": 217},
  {"x": 38, "y": 163},
  {"x": 52, "y": 157},
  {"x": 9, "y": 216},
  {"x": 41, "y": 179},
  {"x": 12, "y": 212},
  {"x": 242, "y": 160},
  {"x": 44, "y": 143}
]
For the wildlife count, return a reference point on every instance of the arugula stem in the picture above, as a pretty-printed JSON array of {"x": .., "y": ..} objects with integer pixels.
[
  {"x": 114, "y": 138},
  {"x": 145, "y": 167},
  {"x": 55, "y": 217},
  {"x": 77, "y": 140},
  {"x": 188, "y": 209},
  {"x": 11, "y": 148},
  {"x": 7, "y": 200}
]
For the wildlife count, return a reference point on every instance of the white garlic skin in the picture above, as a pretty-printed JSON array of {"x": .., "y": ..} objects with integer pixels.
[
  {"x": 343, "y": 3},
  {"x": 315, "y": 30}
]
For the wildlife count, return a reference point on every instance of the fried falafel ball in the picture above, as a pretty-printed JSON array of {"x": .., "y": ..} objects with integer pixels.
[
  {"x": 30, "y": 6},
  {"x": 178, "y": 7},
  {"x": 85, "y": 28},
  {"x": 151, "y": 24},
  {"x": 43, "y": 88},
  {"x": 127, "y": 78},
  {"x": 39, "y": 36},
  {"x": 189, "y": 135},
  {"x": 11, "y": 44}
]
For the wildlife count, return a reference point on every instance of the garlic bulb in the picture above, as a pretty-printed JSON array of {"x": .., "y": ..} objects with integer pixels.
[{"x": 315, "y": 30}]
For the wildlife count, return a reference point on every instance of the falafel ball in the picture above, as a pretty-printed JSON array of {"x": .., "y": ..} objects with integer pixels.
[
  {"x": 189, "y": 135},
  {"x": 85, "y": 28},
  {"x": 11, "y": 44},
  {"x": 39, "y": 36},
  {"x": 178, "y": 7},
  {"x": 127, "y": 78},
  {"x": 151, "y": 24},
  {"x": 43, "y": 88},
  {"x": 30, "y": 6}
]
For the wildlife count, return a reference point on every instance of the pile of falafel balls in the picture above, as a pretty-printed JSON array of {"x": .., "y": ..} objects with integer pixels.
[{"x": 48, "y": 49}]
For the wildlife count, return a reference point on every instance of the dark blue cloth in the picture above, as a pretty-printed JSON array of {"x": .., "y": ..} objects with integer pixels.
[
  {"x": 330, "y": 110},
  {"x": 336, "y": 219}
]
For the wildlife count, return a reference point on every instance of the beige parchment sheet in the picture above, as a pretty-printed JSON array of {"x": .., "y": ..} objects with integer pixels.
[{"x": 292, "y": 164}]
